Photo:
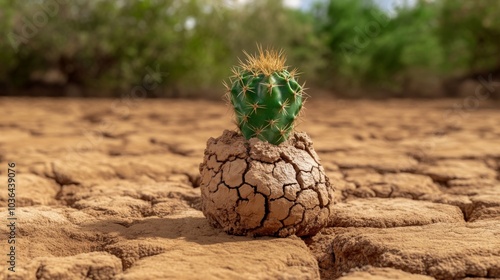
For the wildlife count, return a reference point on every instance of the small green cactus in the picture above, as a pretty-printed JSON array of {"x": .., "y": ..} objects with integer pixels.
[{"x": 265, "y": 96}]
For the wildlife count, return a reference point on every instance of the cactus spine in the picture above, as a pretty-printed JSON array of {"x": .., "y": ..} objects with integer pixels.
[{"x": 265, "y": 96}]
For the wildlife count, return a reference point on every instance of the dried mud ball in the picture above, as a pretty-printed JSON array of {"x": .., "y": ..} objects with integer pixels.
[{"x": 256, "y": 188}]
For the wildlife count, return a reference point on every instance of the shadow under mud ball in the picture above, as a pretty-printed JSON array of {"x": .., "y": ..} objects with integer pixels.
[{"x": 252, "y": 187}]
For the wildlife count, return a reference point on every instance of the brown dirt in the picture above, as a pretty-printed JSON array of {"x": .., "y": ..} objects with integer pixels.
[
  {"x": 109, "y": 190},
  {"x": 256, "y": 188}
]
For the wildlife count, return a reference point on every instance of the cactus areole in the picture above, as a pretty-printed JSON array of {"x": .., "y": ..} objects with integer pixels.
[{"x": 265, "y": 96}]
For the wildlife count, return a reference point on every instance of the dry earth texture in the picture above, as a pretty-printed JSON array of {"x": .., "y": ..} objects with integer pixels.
[
  {"x": 110, "y": 190},
  {"x": 260, "y": 189}
]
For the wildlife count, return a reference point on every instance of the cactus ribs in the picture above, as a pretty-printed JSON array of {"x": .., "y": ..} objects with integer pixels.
[{"x": 266, "y": 97}]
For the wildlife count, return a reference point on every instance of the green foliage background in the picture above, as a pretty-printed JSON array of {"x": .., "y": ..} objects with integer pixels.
[{"x": 352, "y": 47}]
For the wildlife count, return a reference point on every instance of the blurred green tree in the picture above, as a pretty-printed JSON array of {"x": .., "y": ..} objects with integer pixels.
[
  {"x": 469, "y": 32},
  {"x": 112, "y": 44},
  {"x": 371, "y": 48},
  {"x": 189, "y": 46}
]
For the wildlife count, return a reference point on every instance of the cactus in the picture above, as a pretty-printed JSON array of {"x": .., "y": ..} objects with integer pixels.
[{"x": 265, "y": 96}]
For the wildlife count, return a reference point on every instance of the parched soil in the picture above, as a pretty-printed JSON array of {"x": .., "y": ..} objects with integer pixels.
[
  {"x": 109, "y": 189},
  {"x": 251, "y": 187}
]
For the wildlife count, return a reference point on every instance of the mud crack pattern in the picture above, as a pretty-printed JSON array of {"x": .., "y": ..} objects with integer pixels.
[
  {"x": 256, "y": 188},
  {"x": 109, "y": 193}
]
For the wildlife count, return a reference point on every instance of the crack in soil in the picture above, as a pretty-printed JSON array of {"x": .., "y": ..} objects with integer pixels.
[{"x": 240, "y": 215}]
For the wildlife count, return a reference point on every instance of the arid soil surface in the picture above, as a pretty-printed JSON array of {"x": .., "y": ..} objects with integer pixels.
[{"x": 110, "y": 190}]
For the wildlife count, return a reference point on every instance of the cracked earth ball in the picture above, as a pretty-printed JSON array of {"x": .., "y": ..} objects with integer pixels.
[{"x": 251, "y": 187}]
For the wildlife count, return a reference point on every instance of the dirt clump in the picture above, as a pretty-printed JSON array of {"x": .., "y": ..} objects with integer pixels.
[{"x": 256, "y": 188}]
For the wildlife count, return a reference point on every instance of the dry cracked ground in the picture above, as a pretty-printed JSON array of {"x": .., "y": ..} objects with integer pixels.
[{"x": 109, "y": 190}]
